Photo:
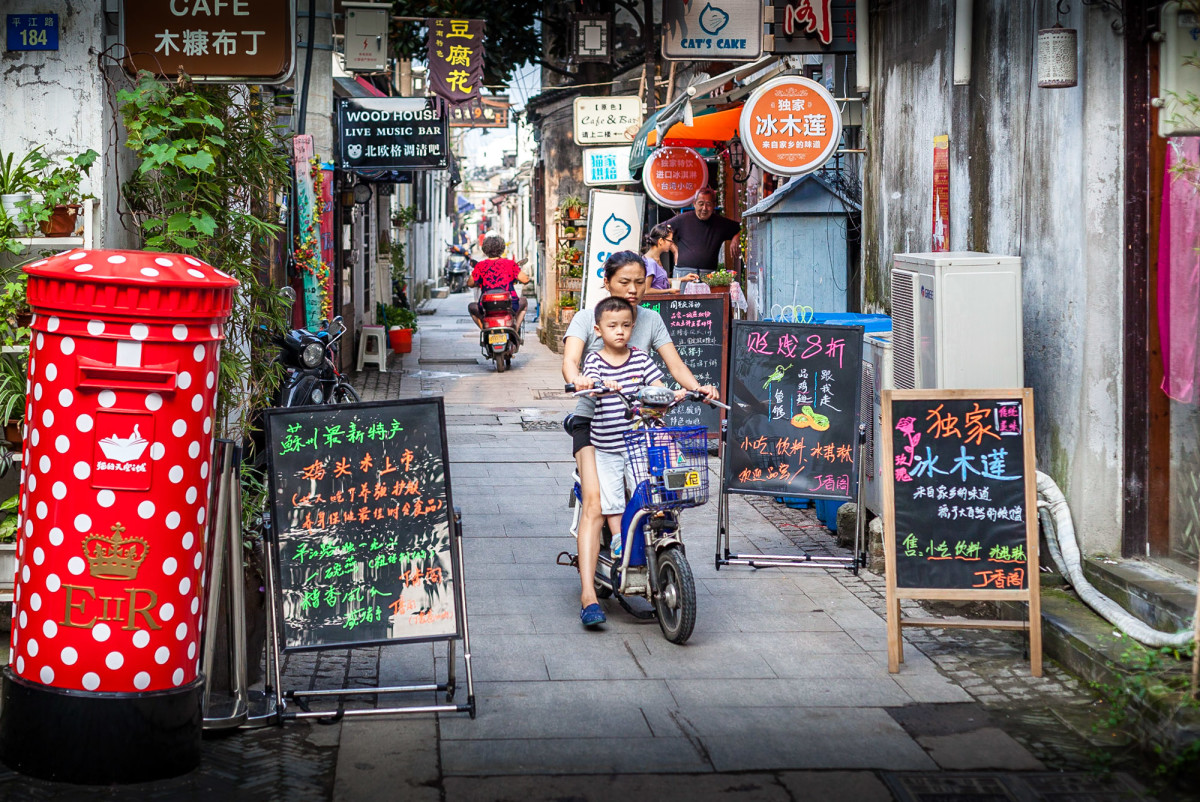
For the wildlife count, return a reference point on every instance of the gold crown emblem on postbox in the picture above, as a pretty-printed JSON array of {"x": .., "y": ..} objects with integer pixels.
[{"x": 114, "y": 556}]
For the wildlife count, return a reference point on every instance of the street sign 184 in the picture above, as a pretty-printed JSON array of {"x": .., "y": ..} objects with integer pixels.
[{"x": 32, "y": 32}]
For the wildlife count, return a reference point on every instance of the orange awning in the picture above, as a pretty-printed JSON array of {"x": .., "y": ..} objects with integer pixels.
[{"x": 705, "y": 131}]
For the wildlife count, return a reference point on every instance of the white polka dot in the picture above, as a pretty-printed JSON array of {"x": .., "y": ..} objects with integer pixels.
[
  {"x": 175, "y": 474},
  {"x": 141, "y": 639},
  {"x": 116, "y": 259},
  {"x": 161, "y": 655},
  {"x": 207, "y": 425},
  {"x": 28, "y": 528},
  {"x": 82, "y": 470},
  {"x": 39, "y": 263},
  {"x": 52, "y": 323},
  {"x": 82, "y": 522},
  {"x": 59, "y": 490},
  {"x": 76, "y": 565},
  {"x": 84, "y": 423},
  {"x": 153, "y": 401},
  {"x": 141, "y": 680},
  {"x": 172, "y": 520},
  {"x": 191, "y": 495},
  {"x": 24, "y": 620},
  {"x": 56, "y": 536},
  {"x": 157, "y": 450},
  {"x": 197, "y": 402},
  {"x": 179, "y": 331},
  {"x": 146, "y": 508},
  {"x": 67, "y": 345},
  {"x": 44, "y": 464},
  {"x": 204, "y": 470},
  {"x": 200, "y": 515},
  {"x": 106, "y": 498},
  {"x": 194, "y": 449},
  {"x": 51, "y": 372},
  {"x": 210, "y": 379},
  {"x": 65, "y": 398},
  {"x": 42, "y": 509},
  {"x": 47, "y": 675},
  {"x": 195, "y": 604},
  {"x": 192, "y": 261},
  {"x": 169, "y": 566},
  {"x": 82, "y": 268},
  {"x": 35, "y": 436},
  {"x": 188, "y": 539},
  {"x": 62, "y": 444},
  {"x": 39, "y": 557},
  {"x": 214, "y": 330},
  {"x": 48, "y": 418},
  {"x": 181, "y": 631},
  {"x": 24, "y": 577},
  {"x": 77, "y": 255},
  {"x": 95, "y": 327},
  {"x": 196, "y": 562},
  {"x": 185, "y": 585},
  {"x": 35, "y": 600},
  {"x": 179, "y": 427},
  {"x": 194, "y": 273},
  {"x": 91, "y": 681},
  {"x": 222, "y": 273},
  {"x": 107, "y": 398},
  {"x": 69, "y": 656},
  {"x": 139, "y": 331},
  {"x": 163, "y": 261},
  {"x": 101, "y": 632},
  {"x": 49, "y": 628},
  {"x": 20, "y": 665},
  {"x": 114, "y": 660},
  {"x": 191, "y": 652},
  {"x": 198, "y": 353},
  {"x": 177, "y": 677},
  {"x": 53, "y": 583},
  {"x": 32, "y": 648},
  {"x": 166, "y": 612},
  {"x": 37, "y": 392},
  {"x": 183, "y": 380},
  {"x": 149, "y": 272},
  {"x": 40, "y": 341}
]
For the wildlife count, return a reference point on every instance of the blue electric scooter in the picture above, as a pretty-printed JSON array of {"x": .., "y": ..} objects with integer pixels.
[{"x": 666, "y": 471}]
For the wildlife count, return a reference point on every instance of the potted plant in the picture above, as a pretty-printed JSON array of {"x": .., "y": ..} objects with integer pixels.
[
  {"x": 8, "y": 541},
  {"x": 719, "y": 281},
  {"x": 566, "y": 308},
  {"x": 12, "y": 395},
  {"x": 61, "y": 194},
  {"x": 571, "y": 207},
  {"x": 17, "y": 182},
  {"x": 569, "y": 255},
  {"x": 401, "y": 323},
  {"x": 569, "y": 231}
]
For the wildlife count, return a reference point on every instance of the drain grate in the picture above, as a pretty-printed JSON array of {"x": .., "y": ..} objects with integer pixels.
[
  {"x": 552, "y": 393},
  {"x": 541, "y": 425}
]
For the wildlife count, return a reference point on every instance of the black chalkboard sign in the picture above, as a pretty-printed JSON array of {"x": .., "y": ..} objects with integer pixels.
[
  {"x": 698, "y": 325},
  {"x": 361, "y": 517},
  {"x": 961, "y": 486},
  {"x": 793, "y": 429}
]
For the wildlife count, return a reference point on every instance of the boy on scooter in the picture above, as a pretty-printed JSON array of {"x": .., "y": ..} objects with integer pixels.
[{"x": 617, "y": 367}]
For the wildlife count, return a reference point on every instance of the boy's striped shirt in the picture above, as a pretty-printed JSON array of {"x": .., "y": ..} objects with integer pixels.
[{"x": 609, "y": 425}]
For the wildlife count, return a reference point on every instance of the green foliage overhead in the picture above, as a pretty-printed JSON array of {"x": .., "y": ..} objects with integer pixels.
[{"x": 512, "y": 40}]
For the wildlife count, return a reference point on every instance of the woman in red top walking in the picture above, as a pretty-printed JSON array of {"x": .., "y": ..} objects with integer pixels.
[{"x": 495, "y": 273}]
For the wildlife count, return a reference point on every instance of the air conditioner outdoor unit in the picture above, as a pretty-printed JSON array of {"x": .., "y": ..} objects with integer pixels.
[
  {"x": 877, "y": 377},
  {"x": 956, "y": 320}
]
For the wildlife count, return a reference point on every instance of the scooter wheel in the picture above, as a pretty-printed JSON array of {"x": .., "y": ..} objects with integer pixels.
[
  {"x": 675, "y": 600},
  {"x": 501, "y": 364}
]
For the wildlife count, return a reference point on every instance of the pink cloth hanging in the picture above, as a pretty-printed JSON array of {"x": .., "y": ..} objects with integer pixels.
[{"x": 1179, "y": 275}]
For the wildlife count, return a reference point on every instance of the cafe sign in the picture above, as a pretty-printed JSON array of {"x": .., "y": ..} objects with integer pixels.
[
  {"x": 722, "y": 30},
  {"x": 607, "y": 120},
  {"x": 673, "y": 176},
  {"x": 790, "y": 126},
  {"x": 218, "y": 41}
]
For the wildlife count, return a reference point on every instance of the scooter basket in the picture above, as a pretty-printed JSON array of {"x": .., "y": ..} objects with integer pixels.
[{"x": 674, "y": 460}]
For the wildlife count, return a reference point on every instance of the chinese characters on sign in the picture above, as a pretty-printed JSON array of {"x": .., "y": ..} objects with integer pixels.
[
  {"x": 698, "y": 325},
  {"x": 790, "y": 126},
  {"x": 672, "y": 176},
  {"x": 813, "y": 26},
  {"x": 604, "y": 166},
  {"x": 607, "y": 120},
  {"x": 361, "y": 508},
  {"x": 793, "y": 429},
  {"x": 958, "y": 475},
  {"x": 941, "y": 193},
  {"x": 487, "y": 111},
  {"x": 455, "y": 53},
  {"x": 251, "y": 40},
  {"x": 392, "y": 133},
  {"x": 32, "y": 32}
]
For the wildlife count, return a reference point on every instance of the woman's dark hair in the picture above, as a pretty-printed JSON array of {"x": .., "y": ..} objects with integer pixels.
[
  {"x": 660, "y": 231},
  {"x": 619, "y": 260},
  {"x": 492, "y": 246}
]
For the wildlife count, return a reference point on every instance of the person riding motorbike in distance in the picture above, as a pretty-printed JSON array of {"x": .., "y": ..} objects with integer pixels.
[{"x": 494, "y": 273}]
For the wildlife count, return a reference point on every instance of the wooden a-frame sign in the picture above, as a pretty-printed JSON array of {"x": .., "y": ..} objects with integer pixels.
[{"x": 960, "y": 489}]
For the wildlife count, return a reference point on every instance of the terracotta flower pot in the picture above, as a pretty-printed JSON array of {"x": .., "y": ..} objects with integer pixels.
[
  {"x": 62, "y": 221},
  {"x": 401, "y": 339},
  {"x": 719, "y": 288},
  {"x": 573, "y": 213}
]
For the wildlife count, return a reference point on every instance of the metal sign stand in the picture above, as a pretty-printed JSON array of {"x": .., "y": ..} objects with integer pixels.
[{"x": 852, "y": 563}]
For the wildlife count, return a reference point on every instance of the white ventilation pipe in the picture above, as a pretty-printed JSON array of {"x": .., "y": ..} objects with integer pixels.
[
  {"x": 963, "y": 26},
  {"x": 1064, "y": 551}
]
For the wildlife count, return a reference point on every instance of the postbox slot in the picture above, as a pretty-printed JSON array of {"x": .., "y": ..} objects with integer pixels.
[{"x": 160, "y": 379}]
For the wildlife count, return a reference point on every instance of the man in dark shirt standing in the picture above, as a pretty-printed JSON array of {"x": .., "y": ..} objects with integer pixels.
[{"x": 699, "y": 235}]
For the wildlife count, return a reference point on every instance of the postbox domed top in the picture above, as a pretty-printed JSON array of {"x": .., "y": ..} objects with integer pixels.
[{"x": 131, "y": 267}]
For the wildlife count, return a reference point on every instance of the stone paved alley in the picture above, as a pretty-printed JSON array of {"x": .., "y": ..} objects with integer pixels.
[{"x": 782, "y": 693}]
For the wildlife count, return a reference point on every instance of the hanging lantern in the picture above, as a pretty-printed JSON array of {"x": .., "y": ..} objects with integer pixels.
[{"x": 1057, "y": 58}]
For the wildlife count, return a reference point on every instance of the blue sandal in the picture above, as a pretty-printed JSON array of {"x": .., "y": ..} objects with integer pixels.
[{"x": 592, "y": 615}]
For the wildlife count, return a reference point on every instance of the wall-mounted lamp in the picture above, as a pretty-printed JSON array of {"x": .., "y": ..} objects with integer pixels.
[
  {"x": 346, "y": 196},
  {"x": 738, "y": 163},
  {"x": 1057, "y": 57}
]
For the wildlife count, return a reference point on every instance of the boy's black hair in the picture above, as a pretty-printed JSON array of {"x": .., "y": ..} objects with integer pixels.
[{"x": 612, "y": 304}]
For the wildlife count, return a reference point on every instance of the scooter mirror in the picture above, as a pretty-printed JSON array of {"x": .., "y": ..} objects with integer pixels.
[{"x": 288, "y": 293}]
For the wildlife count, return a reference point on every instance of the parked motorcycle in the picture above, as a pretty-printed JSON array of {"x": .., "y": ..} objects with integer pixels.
[
  {"x": 499, "y": 338},
  {"x": 668, "y": 471},
  {"x": 457, "y": 270},
  {"x": 309, "y": 360}
]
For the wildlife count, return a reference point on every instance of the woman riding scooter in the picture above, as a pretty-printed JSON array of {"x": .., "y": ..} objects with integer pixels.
[
  {"x": 495, "y": 273},
  {"x": 624, "y": 277}
]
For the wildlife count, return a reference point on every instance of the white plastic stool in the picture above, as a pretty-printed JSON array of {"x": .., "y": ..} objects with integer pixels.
[{"x": 377, "y": 335}]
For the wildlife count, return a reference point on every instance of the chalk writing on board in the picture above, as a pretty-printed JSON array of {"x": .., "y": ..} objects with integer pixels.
[
  {"x": 793, "y": 427},
  {"x": 361, "y": 519},
  {"x": 697, "y": 328},
  {"x": 959, "y": 490}
]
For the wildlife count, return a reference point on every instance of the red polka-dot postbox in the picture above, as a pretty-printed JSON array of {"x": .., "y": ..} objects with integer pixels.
[{"x": 116, "y": 465}]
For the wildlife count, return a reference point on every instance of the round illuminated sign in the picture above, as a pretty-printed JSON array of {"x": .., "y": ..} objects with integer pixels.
[
  {"x": 673, "y": 176},
  {"x": 790, "y": 125}
]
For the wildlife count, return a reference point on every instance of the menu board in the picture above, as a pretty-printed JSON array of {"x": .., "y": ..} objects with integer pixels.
[
  {"x": 361, "y": 518},
  {"x": 698, "y": 325},
  {"x": 962, "y": 488},
  {"x": 793, "y": 429}
]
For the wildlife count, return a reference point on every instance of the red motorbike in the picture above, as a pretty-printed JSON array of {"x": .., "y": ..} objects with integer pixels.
[{"x": 499, "y": 338}]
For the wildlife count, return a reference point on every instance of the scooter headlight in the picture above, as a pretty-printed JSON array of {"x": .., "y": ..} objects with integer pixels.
[{"x": 312, "y": 355}]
